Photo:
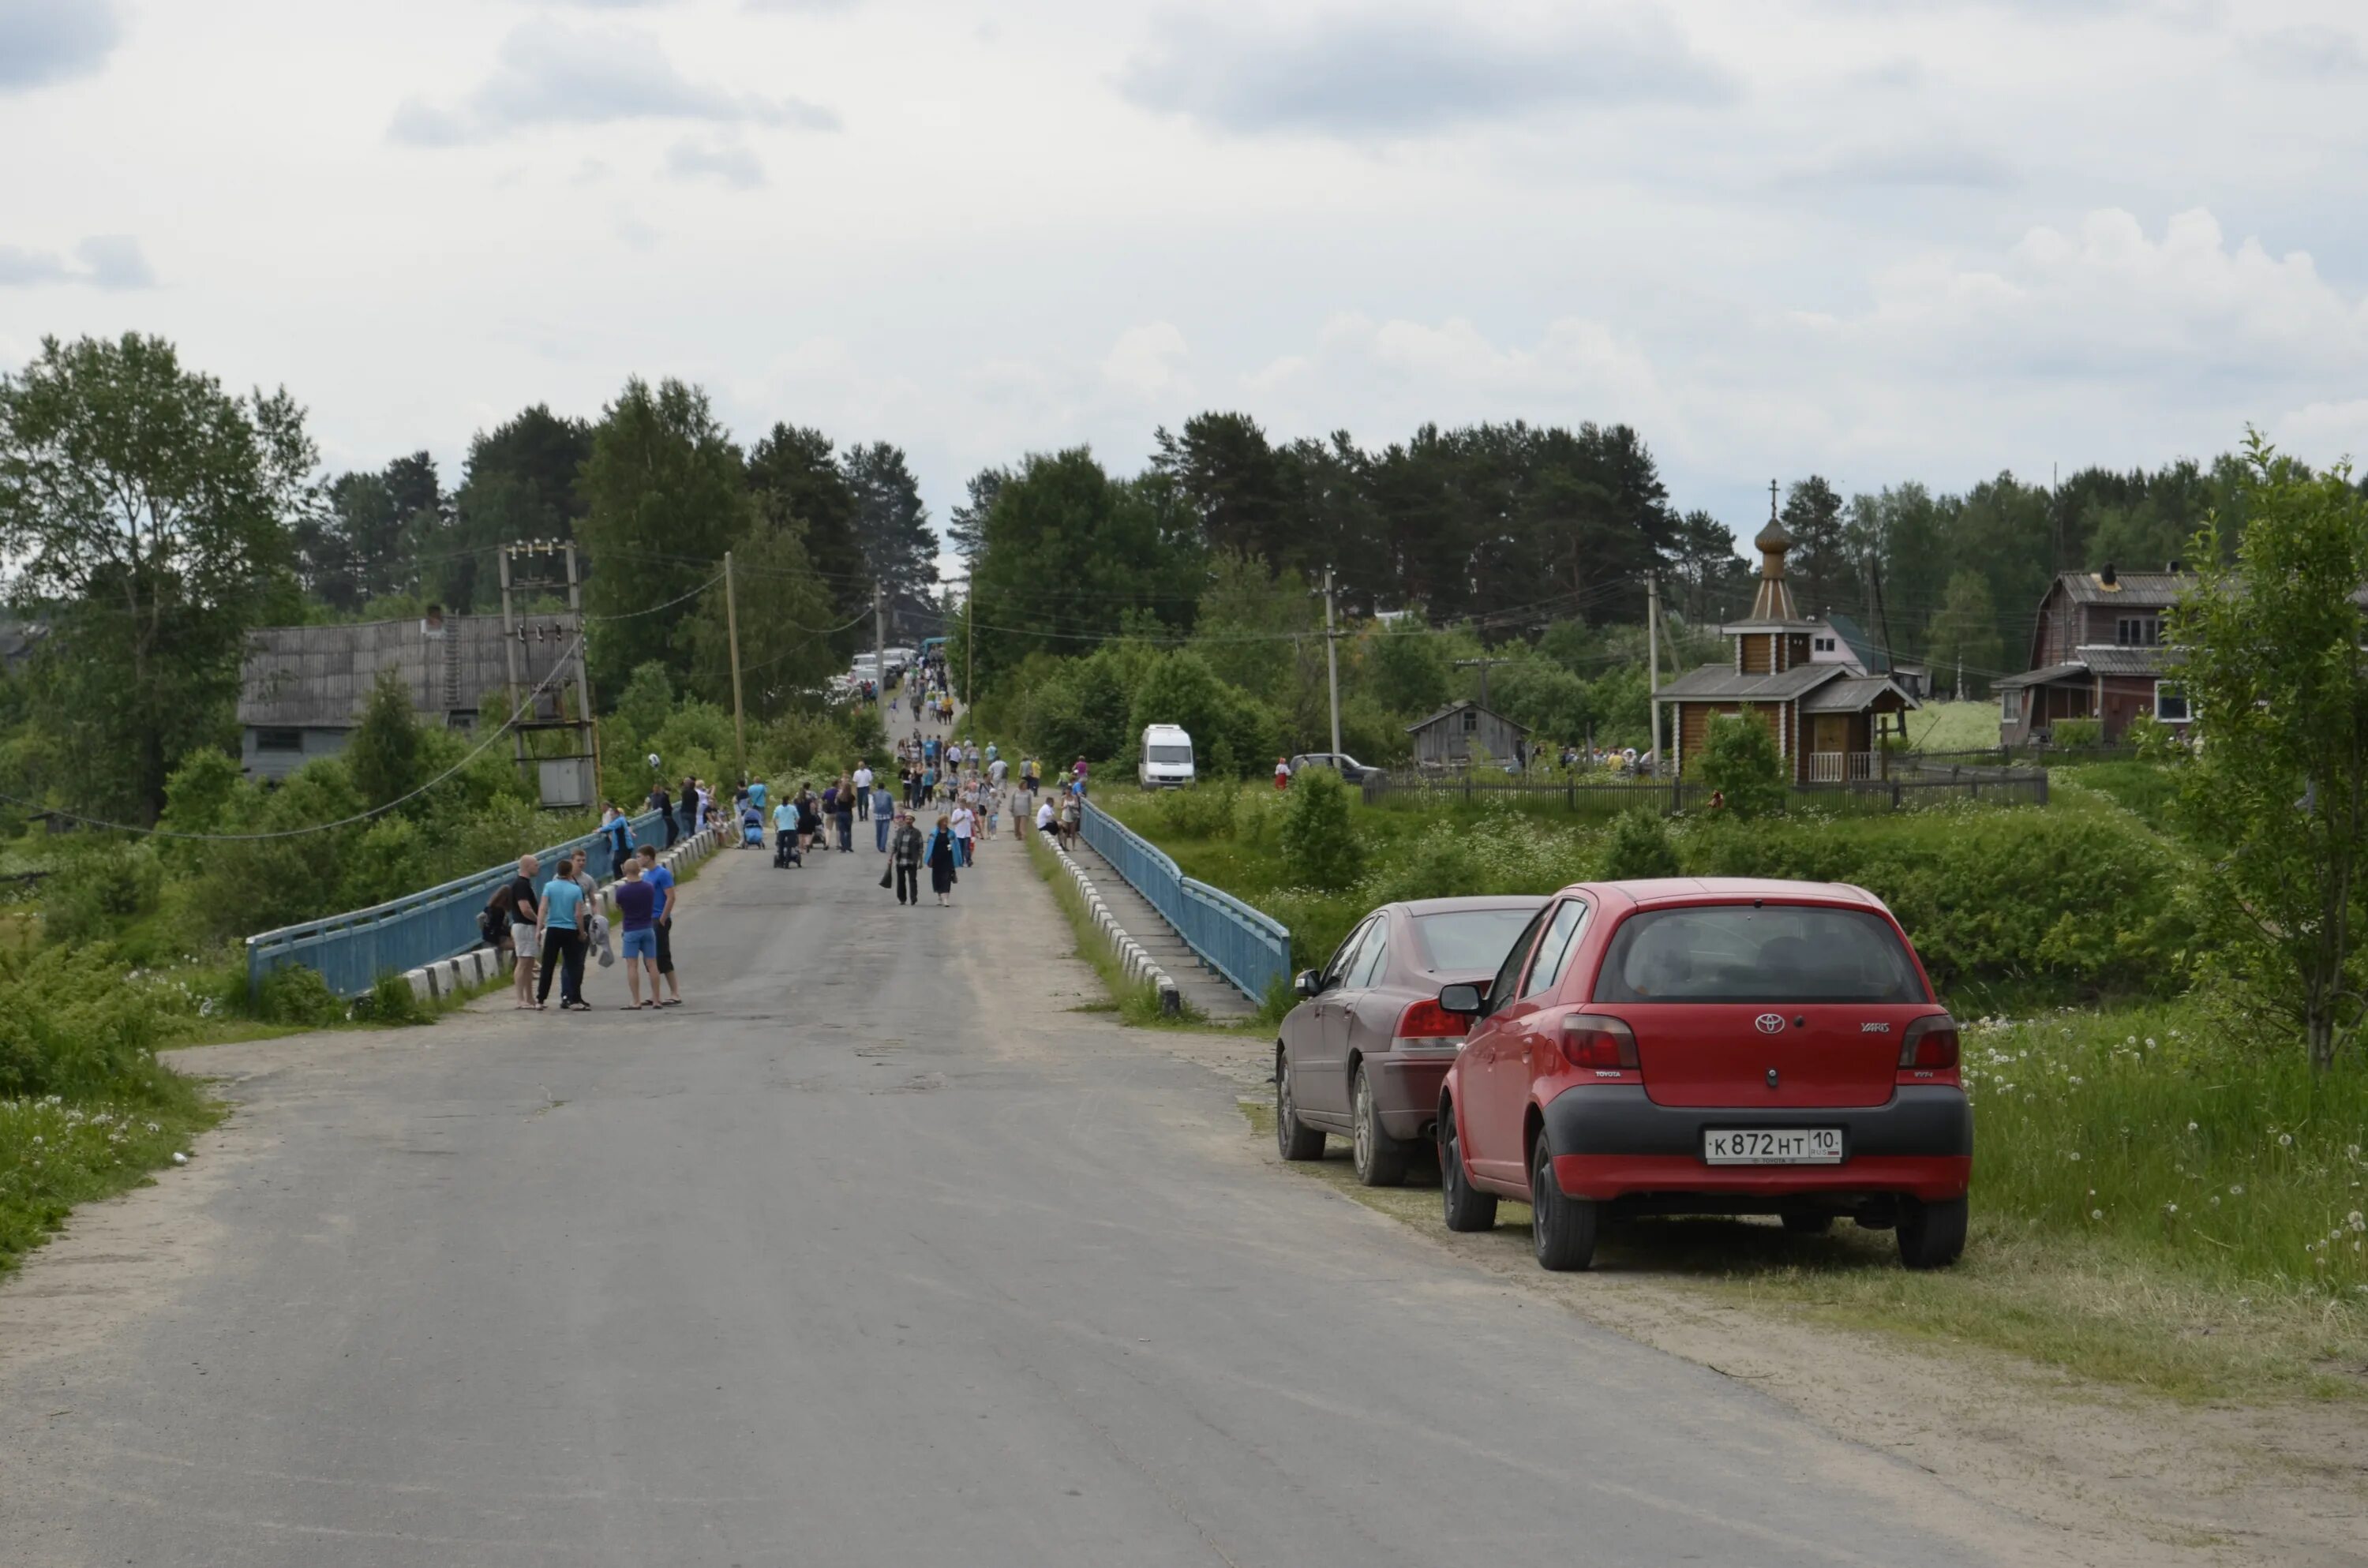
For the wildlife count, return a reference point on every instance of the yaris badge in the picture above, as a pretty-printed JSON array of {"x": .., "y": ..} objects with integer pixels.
[{"x": 1769, "y": 1023}]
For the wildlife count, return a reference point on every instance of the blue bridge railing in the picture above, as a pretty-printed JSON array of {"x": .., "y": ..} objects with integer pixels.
[
  {"x": 1248, "y": 947},
  {"x": 352, "y": 950}
]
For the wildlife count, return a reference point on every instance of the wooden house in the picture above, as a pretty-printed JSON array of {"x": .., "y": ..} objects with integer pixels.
[
  {"x": 1809, "y": 682},
  {"x": 1450, "y": 737},
  {"x": 301, "y": 688},
  {"x": 2098, "y": 652}
]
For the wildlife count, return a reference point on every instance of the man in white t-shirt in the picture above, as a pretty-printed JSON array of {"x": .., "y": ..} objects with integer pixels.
[
  {"x": 863, "y": 794},
  {"x": 997, "y": 771},
  {"x": 962, "y": 823},
  {"x": 1044, "y": 816}
]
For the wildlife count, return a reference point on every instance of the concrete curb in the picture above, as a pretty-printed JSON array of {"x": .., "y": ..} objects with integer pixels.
[{"x": 1138, "y": 964}]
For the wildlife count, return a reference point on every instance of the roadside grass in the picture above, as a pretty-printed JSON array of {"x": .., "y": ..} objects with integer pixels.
[
  {"x": 2146, "y": 1213},
  {"x": 1954, "y": 726},
  {"x": 1135, "y": 1002},
  {"x": 2148, "y": 790}
]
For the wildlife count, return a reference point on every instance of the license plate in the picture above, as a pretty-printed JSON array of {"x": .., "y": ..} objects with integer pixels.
[{"x": 1772, "y": 1146}]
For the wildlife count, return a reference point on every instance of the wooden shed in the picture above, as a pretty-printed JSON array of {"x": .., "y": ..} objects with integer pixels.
[
  {"x": 1450, "y": 737},
  {"x": 301, "y": 688}
]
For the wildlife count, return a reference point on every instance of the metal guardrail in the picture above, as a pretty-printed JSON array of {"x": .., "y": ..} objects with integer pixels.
[
  {"x": 1248, "y": 947},
  {"x": 352, "y": 950}
]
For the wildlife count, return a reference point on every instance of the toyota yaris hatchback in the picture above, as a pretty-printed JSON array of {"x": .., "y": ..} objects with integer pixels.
[{"x": 1708, "y": 1047}]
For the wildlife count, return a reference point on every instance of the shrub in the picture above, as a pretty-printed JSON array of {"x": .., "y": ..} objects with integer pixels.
[
  {"x": 1442, "y": 864},
  {"x": 73, "y": 1023},
  {"x": 1639, "y": 848},
  {"x": 2154, "y": 741},
  {"x": 2076, "y": 732},
  {"x": 295, "y": 995},
  {"x": 102, "y": 884},
  {"x": 1319, "y": 845},
  {"x": 392, "y": 1001},
  {"x": 1205, "y": 810},
  {"x": 1739, "y": 760}
]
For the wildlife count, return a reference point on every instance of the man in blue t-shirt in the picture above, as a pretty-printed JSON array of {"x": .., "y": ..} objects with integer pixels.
[
  {"x": 637, "y": 901},
  {"x": 660, "y": 880},
  {"x": 756, "y": 796}
]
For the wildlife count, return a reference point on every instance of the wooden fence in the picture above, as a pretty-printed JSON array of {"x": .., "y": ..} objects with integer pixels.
[{"x": 1906, "y": 792}]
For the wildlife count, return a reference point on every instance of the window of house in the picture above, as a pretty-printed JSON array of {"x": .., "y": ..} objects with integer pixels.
[
  {"x": 1471, "y": 721},
  {"x": 2010, "y": 705},
  {"x": 2169, "y": 702},
  {"x": 2138, "y": 630},
  {"x": 279, "y": 740}
]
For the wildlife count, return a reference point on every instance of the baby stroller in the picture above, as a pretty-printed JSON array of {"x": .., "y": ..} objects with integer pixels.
[
  {"x": 785, "y": 848},
  {"x": 752, "y": 830}
]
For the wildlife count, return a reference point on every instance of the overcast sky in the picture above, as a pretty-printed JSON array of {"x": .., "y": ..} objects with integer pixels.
[{"x": 1877, "y": 239}]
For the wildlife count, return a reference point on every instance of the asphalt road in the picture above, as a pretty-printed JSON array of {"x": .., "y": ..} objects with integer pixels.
[{"x": 876, "y": 1254}]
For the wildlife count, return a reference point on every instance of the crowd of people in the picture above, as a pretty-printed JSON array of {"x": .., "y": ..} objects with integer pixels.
[{"x": 555, "y": 928}]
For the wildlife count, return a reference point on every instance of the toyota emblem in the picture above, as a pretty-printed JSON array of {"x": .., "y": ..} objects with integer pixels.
[{"x": 1769, "y": 1023}]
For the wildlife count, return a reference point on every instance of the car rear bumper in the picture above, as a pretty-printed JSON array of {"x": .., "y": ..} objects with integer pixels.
[
  {"x": 1405, "y": 1092},
  {"x": 1612, "y": 1142}
]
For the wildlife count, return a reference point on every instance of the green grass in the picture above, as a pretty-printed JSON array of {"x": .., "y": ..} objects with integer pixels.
[
  {"x": 56, "y": 1153},
  {"x": 2147, "y": 790},
  {"x": 1954, "y": 726},
  {"x": 2105, "y": 1303},
  {"x": 1135, "y": 1002}
]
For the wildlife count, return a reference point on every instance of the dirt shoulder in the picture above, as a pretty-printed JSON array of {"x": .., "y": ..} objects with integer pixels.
[{"x": 2125, "y": 1476}]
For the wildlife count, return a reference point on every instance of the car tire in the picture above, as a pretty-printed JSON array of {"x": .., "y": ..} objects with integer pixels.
[
  {"x": 1464, "y": 1208},
  {"x": 1293, "y": 1138},
  {"x": 1931, "y": 1235},
  {"x": 1380, "y": 1159},
  {"x": 1803, "y": 1224},
  {"x": 1561, "y": 1226}
]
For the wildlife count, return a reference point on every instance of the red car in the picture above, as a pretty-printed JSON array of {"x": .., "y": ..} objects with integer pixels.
[{"x": 1700, "y": 1046}]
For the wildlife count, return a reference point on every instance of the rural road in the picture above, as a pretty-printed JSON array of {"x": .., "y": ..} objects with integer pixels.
[{"x": 877, "y": 1254}]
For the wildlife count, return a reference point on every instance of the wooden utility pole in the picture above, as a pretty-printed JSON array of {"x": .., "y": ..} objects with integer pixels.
[
  {"x": 1332, "y": 661},
  {"x": 880, "y": 649},
  {"x": 1653, "y": 645},
  {"x": 970, "y": 652},
  {"x": 1483, "y": 665},
  {"x": 732, "y": 635}
]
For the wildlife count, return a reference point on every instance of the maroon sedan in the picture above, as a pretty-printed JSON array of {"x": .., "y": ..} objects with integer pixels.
[{"x": 1365, "y": 1054}]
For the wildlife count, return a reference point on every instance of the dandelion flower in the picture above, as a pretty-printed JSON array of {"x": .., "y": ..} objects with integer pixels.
[
  {"x": 2074, "y": 1155},
  {"x": 2285, "y": 1139},
  {"x": 2190, "y": 1127},
  {"x": 2236, "y": 1189},
  {"x": 2096, "y": 1213},
  {"x": 2170, "y": 1207}
]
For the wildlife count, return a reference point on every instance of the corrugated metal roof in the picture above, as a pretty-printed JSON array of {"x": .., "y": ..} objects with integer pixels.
[
  {"x": 2141, "y": 589},
  {"x": 319, "y": 677},
  {"x": 1455, "y": 708},
  {"x": 2119, "y": 660},
  {"x": 1720, "y": 683},
  {"x": 1852, "y": 695},
  {"x": 2040, "y": 676}
]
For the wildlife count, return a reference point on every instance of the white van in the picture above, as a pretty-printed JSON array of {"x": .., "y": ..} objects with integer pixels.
[{"x": 1166, "y": 758}]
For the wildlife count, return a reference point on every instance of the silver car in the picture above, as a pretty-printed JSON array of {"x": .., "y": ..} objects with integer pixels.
[{"x": 1364, "y": 1052}]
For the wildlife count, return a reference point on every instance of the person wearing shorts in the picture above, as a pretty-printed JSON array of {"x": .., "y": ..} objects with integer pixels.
[
  {"x": 662, "y": 913},
  {"x": 636, "y": 902}
]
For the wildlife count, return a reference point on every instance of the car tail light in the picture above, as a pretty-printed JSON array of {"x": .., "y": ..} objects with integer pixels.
[
  {"x": 1930, "y": 1043},
  {"x": 1600, "y": 1043},
  {"x": 1426, "y": 1023}
]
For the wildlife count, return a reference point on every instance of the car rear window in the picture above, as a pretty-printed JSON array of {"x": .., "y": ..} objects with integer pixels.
[
  {"x": 1770, "y": 953},
  {"x": 1470, "y": 938}
]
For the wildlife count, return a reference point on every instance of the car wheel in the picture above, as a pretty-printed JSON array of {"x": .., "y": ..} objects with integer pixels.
[
  {"x": 1803, "y": 1224},
  {"x": 1466, "y": 1209},
  {"x": 1562, "y": 1227},
  {"x": 1931, "y": 1235},
  {"x": 1380, "y": 1159},
  {"x": 1293, "y": 1141}
]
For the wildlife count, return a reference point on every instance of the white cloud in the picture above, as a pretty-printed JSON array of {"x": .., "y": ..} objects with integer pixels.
[
  {"x": 102, "y": 261},
  {"x": 2308, "y": 53},
  {"x": 728, "y": 161},
  {"x": 550, "y": 73},
  {"x": 1147, "y": 362}
]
